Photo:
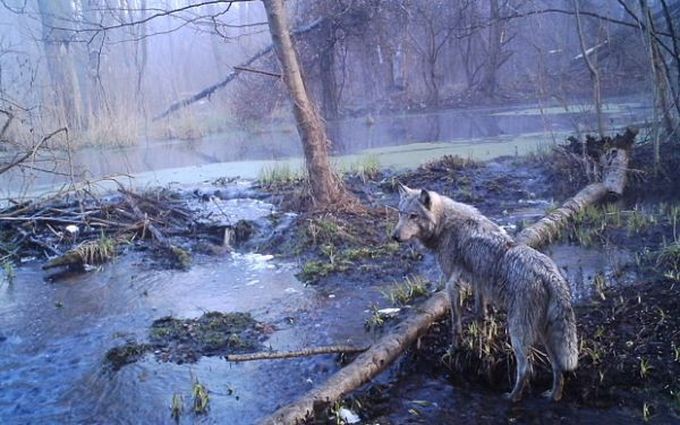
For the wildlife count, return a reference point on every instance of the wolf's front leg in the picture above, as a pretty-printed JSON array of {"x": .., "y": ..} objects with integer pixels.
[{"x": 453, "y": 290}]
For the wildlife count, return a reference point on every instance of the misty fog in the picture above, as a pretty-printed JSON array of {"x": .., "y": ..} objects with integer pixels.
[{"x": 190, "y": 83}]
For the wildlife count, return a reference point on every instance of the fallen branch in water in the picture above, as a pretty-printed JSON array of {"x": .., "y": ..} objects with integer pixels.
[
  {"x": 391, "y": 345},
  {"x": 271, "y": 355}
]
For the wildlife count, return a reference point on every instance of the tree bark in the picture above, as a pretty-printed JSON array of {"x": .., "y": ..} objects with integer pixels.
[
  {"x": 325, "y": 187},
  {"x": 389, "y": 347}
]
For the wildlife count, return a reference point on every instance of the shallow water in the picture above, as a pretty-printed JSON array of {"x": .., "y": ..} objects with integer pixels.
[
  {"x": 581, "y": 266},
  {"x": 55, "y": 336}
]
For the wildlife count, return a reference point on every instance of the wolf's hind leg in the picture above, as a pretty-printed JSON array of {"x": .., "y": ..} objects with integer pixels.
[
  {"x": 453, "y": 291},
  {"x": 521, "y": 346},
  {"x": 555, "y": 393}
]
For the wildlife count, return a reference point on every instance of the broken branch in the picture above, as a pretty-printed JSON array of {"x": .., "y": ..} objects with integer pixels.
[{"x": 271, "y": 355}]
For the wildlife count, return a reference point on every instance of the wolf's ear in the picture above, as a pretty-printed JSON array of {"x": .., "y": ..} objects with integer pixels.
[
  {"x": 425, "y": 198},
  {"x": 403, "y": 189}
]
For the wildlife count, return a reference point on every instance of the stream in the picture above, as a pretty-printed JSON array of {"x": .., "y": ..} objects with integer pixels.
[{"x": 54, "y": 336}]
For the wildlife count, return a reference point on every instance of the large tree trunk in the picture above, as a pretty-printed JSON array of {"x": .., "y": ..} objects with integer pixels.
[
  {"x": 59, "y": 53},
  {"x": 326, "y": 188},
  {"x": 389, "y": 347}
]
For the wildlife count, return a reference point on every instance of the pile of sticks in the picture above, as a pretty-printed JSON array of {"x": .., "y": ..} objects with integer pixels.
[{"x": 57, "y": 227}]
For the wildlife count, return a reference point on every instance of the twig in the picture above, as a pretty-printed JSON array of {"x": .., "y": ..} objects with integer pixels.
[
  {"x": 5, "y": 126},
  {"x": 270, "y": 355}
]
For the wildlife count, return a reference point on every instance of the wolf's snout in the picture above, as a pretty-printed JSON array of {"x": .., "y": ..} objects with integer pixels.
[{"x": 395, "y": 236}]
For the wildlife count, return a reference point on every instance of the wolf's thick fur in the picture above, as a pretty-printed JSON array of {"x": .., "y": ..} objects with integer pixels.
[{"x": 471, "y": 248}]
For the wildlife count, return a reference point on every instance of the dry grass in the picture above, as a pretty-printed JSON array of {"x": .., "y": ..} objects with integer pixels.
[{"x": 98, "y": 251}]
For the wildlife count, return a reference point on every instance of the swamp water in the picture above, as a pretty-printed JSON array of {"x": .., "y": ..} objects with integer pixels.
[{"x": 54, "y": 335}]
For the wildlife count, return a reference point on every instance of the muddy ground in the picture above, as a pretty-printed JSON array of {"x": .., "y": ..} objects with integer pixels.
[{"x": 629, "y": 361}]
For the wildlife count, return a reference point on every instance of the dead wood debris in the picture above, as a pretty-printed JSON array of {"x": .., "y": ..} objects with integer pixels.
[{"x": 80, "y": 229}]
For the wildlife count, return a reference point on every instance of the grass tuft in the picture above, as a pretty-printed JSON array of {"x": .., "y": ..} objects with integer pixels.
[
  {"x": 177, "y": 406},
  {"x": 404, "y": 292},
  {"x": 279, "y": 175},
  {"x": 201, "y": 397},
  {"x": 98, "y": 251}
]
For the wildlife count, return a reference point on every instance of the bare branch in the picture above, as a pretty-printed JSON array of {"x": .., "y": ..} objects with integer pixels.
[
  {"x": 257, "y": 71},
  {"x": 31, "y": 152}
]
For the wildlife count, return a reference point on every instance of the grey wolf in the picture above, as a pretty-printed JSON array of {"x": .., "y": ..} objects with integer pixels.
[{"x": 526, "y": 283}]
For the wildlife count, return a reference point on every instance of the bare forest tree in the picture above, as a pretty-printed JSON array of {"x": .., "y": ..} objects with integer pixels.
[
  {"x": 55, "y": 14},
  {"x": 326, "y": 189},
  {"x": 497, "y": 39},
  {"x": 592, "y": 69},
  {"x": 434, "y": 24}
]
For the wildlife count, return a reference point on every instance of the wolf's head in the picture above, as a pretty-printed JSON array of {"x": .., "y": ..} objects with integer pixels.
[{"x": 417, "y": 219}]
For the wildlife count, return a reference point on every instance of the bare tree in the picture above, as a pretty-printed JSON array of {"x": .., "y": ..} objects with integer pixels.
[
  {"x": 592, "y": 69},
  {"x": 326, "y": 188},
  {"x": 61, "y": 67},
  {"x": 141, "y": 55},
  {"x": 435, "y": 24},
  {"x": 495, "y": 55}
]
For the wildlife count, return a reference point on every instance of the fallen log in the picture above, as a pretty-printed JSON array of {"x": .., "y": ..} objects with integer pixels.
[
  {"x": 271, "y": 355},
  {"x": 614, "y": 164},
  {"x": 390, "y": 346},
  {"x": 69, "y": 259}
]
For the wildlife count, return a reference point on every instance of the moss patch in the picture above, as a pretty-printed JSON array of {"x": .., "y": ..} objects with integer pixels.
[
  {"x": 187, "y": 340},
  {"x": 130, "y": 352}
]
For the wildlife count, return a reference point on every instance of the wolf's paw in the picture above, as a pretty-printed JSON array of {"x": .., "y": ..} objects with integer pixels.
[
  {"x": 550, "y": 396},
  {"x": 515, "y": 398}
]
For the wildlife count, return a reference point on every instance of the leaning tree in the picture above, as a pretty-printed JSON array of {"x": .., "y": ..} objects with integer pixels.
[{"x": 326, "y": 188}]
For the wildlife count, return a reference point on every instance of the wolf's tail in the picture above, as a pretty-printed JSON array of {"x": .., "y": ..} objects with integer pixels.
[{"x": 561, "y": 326}]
